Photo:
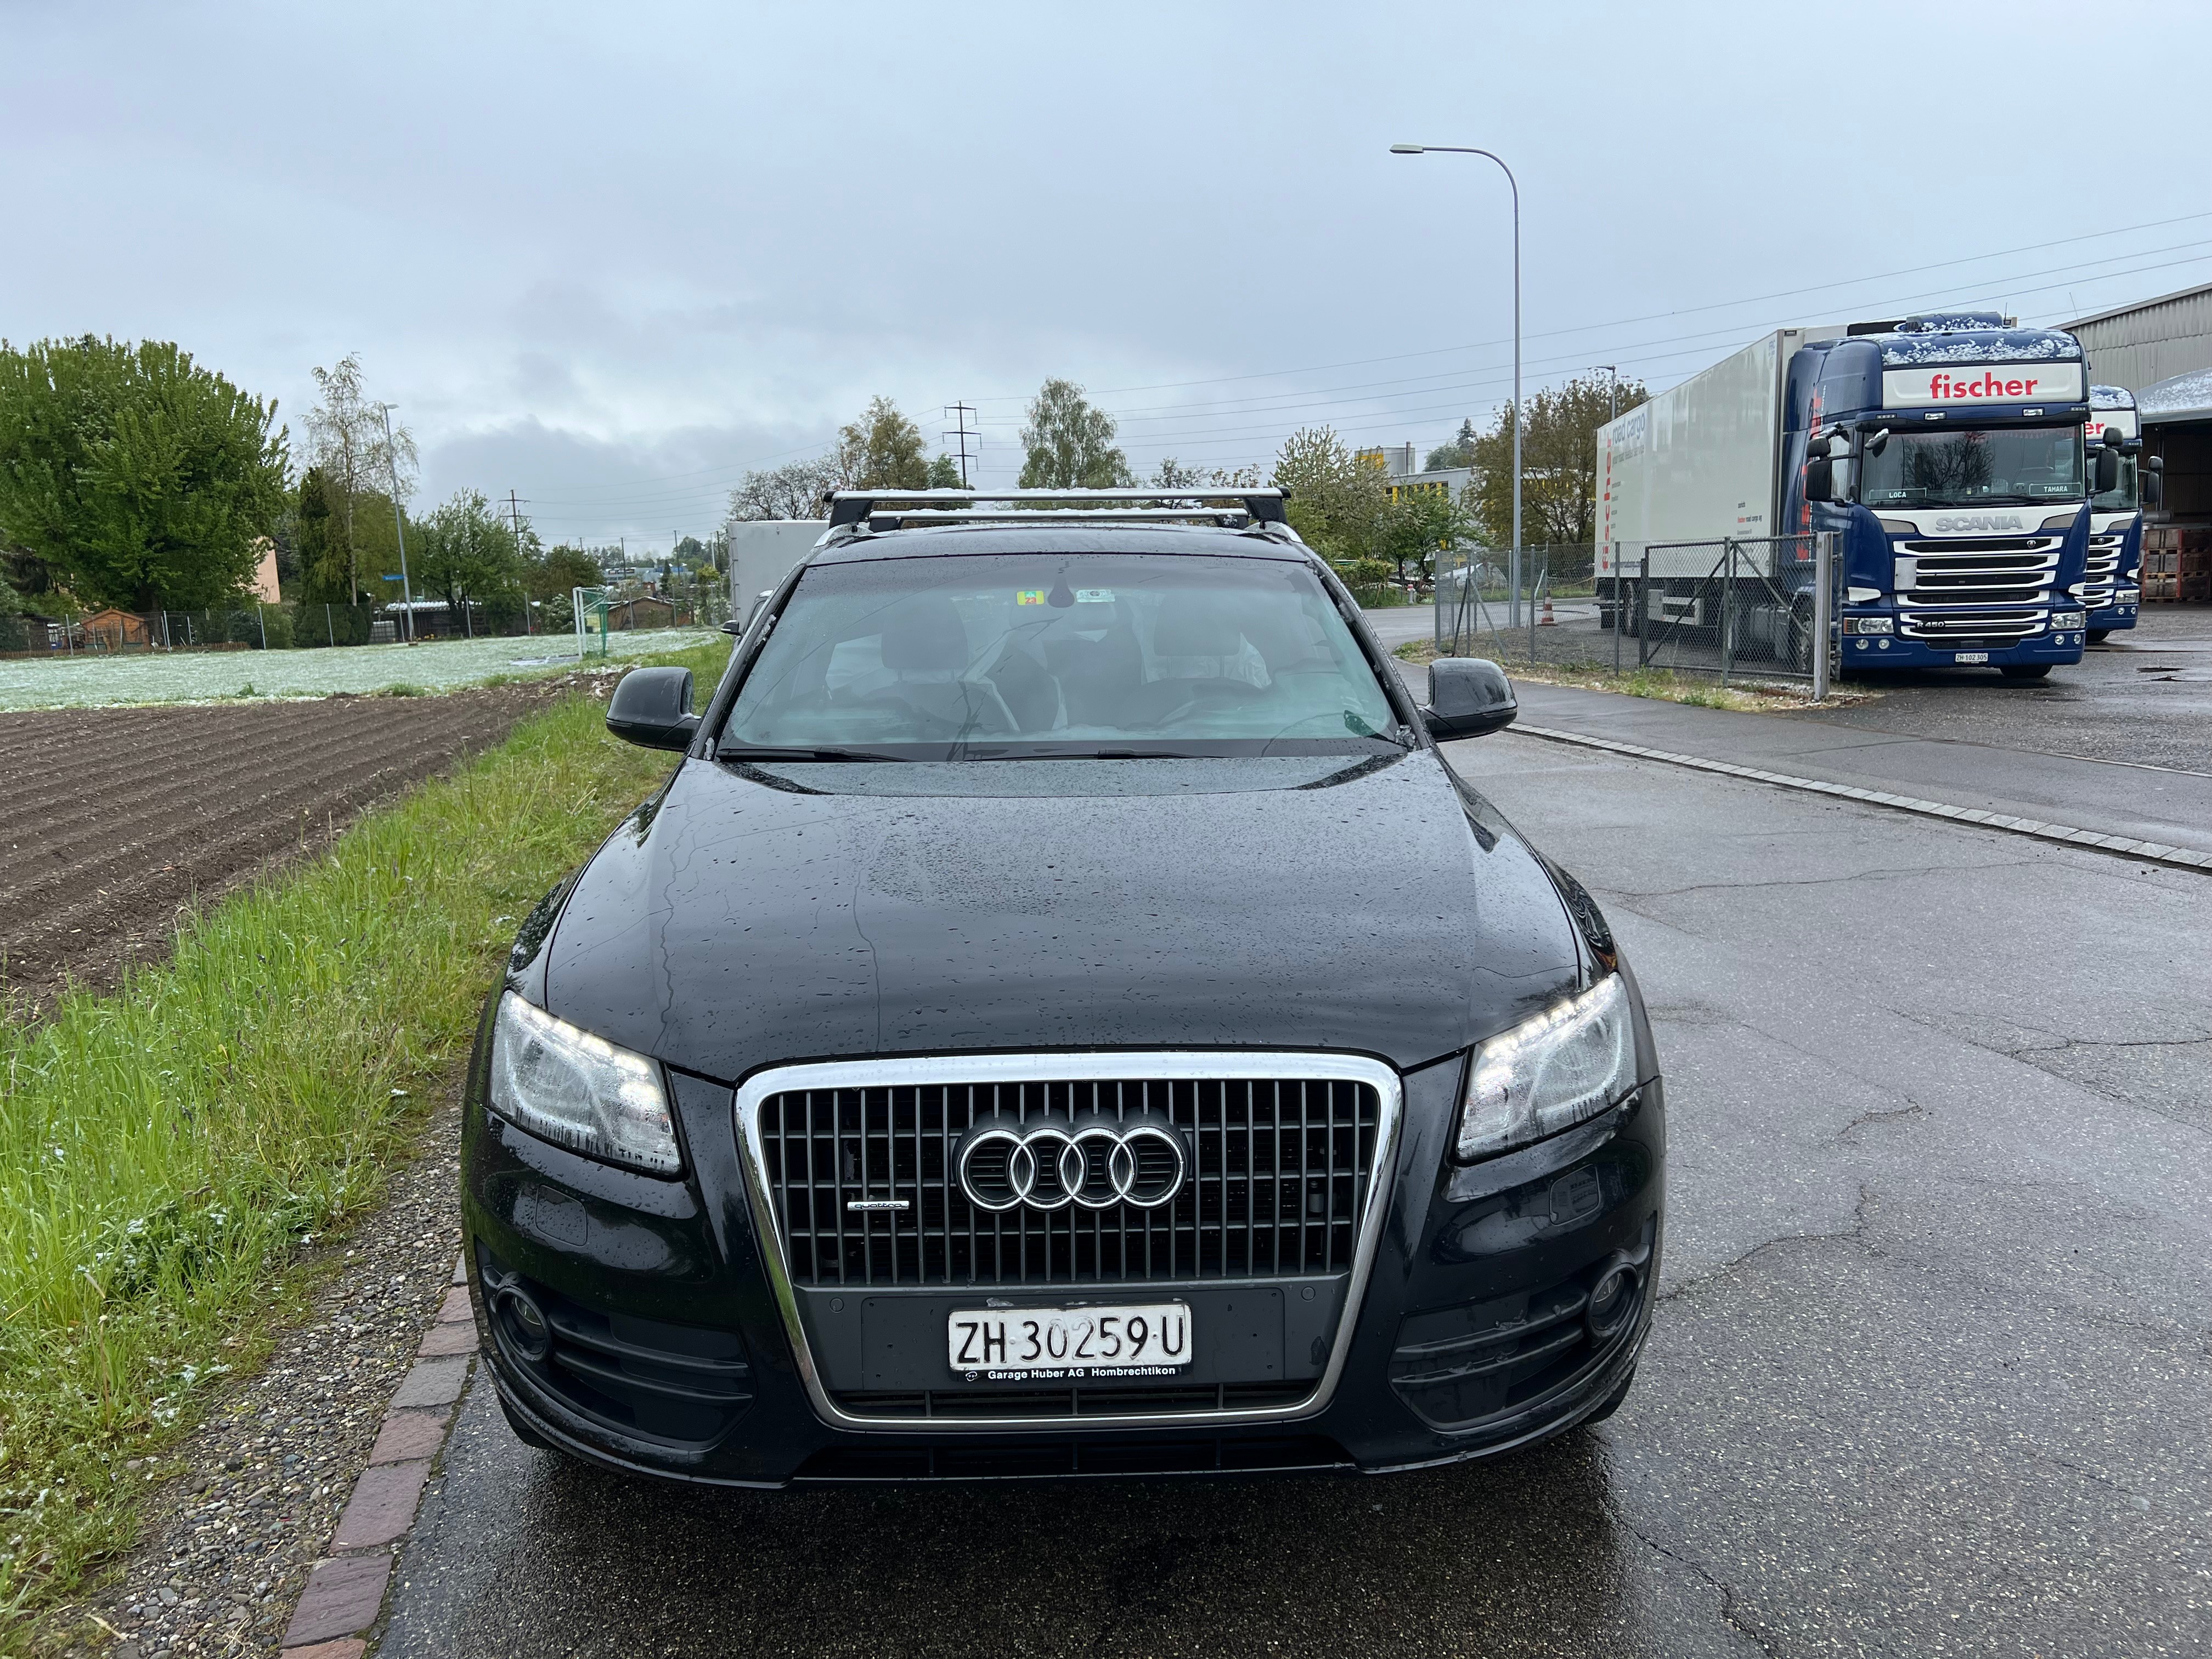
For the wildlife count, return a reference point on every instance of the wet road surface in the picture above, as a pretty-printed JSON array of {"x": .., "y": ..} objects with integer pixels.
[{"x": 1930, "y": 1375}]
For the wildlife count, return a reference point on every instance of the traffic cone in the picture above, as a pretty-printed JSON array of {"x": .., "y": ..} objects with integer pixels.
[{"x": 1546, "y": 620}]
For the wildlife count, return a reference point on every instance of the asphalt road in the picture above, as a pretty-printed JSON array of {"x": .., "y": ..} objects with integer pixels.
[{"x": 1930, "y": 1373}]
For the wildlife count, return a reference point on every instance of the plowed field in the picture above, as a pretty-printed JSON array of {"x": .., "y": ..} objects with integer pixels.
[{"x": 114, "y": 822}]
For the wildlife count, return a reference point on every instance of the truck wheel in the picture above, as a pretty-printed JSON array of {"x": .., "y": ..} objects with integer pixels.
[
  {"x": 2025, "y": 671},
  {"x": 2098, "y": 636}
]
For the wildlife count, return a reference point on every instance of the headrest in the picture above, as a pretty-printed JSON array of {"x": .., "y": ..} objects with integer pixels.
[{"x": 925, "y": 635}]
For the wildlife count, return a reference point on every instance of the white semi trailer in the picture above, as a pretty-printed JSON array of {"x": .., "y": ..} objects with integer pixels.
[{"x": 763, "y": 552}]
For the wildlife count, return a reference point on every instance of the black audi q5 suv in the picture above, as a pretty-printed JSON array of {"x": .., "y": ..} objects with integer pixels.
[{"x": 1062, "y": 1015}]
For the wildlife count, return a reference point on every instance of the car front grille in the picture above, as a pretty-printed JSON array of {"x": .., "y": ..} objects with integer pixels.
[
  {"x": 1112, "y": 1400},
  {"x": 1280, "y": 1169}
]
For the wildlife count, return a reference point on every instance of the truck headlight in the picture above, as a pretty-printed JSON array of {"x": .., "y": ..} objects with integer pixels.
[
  {"x": 1566, "y": 1064},
  {"x": 2062, "y": 619},
  {"x": 579, "y": 1091},
  {"x": 1869, "y": 624}
]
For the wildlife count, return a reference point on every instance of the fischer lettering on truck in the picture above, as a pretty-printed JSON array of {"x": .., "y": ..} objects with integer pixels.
[{"x": 1955, "y": 457}]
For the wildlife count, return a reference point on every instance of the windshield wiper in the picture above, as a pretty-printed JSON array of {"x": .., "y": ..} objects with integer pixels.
[{"x": 752, "y": 752}]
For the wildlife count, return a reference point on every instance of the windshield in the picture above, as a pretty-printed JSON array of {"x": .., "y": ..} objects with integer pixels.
[
  {"x": 1003, "y": 656},
  {"x": 2013, "y": 466},
  {"x": 2127, "y": 497}
]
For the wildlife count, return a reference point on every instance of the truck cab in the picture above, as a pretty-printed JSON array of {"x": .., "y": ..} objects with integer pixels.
[
  {"x": 2116, "y": 520},
  {"x": 1949, "y": 454}
]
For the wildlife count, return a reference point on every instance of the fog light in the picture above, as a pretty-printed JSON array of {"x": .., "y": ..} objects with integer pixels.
[
  {"x": 1612, "y": 1301},
  {"x": 522, "y": 1321}
]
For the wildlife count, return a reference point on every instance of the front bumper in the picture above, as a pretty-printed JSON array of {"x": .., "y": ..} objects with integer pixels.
[
  {"x": 669, "y": 1353},
  {"x": 1885, "y": 651}
]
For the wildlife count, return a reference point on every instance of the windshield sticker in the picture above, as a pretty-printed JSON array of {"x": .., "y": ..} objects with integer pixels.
[
  {"x": 1094, "y": 596},
  {"x": 1029, "y": 596}
]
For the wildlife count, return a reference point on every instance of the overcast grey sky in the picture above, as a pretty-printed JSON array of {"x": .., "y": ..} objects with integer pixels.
[{"x": 610, "y": 257}]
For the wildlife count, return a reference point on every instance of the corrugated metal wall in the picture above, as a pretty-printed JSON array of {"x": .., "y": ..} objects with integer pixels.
[{"x": 2152, "y": 342}]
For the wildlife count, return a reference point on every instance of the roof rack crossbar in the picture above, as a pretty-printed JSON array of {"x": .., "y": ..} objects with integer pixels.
[
  {"x": 907, "y": 515},
  {"x": 853, "y": 506}
]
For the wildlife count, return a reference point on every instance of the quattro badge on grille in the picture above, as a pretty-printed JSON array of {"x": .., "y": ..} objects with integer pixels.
[{"x": 1095, "y": 1161}]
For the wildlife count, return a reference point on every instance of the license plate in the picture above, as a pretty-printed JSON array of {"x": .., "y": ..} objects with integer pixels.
[
  {"x": 1151, "y": 1340},
  {"x": 1971, "y": 656}
]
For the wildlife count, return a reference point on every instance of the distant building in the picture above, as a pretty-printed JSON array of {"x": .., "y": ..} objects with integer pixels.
[
  {"x": 1397, "y": 464},
  {"x": 265, "y": 574},
  {"x": 2161, "y": 350}
]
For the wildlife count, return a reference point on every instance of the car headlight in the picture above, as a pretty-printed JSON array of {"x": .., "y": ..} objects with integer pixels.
[
  {"x": 1568, "y": 1063},
  {"x": 2069, "y": 619},
  {"x": 579, "y": 1091}
]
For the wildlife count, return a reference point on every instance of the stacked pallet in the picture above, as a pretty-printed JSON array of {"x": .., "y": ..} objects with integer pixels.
[{"x": 2177, "y": 563}]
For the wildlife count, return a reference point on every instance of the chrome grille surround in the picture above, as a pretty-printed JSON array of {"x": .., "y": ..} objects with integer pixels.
[
  {"x": 1166, "y": 1065},
  {"x": 1985, "y": 570}
]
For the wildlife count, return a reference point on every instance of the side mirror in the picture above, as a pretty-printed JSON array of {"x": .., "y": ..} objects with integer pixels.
[
  {"x": 652, "y": 708},
  {"x": 1468, "y": 697},
  {"x": 2113, "y": 439},
  {"x": 1819, "y": 479},
  {"x": 2108, "y": 471},
  {"x": 2154, "y": 482}
]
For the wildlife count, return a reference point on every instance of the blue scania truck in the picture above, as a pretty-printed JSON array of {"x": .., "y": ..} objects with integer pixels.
[
  {"x": 2114, "y": 590},
  {"x": 1947, "y": 454}
]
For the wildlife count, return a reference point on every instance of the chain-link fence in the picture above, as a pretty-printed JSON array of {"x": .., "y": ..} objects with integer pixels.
[{"x": 1741, "y": 607}]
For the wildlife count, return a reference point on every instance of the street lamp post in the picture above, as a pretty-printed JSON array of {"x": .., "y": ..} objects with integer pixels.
[
  {"x": 399, "y": 523},
  {"x": 1513, "y": 609},
  {"x": 1612, "y": 389}
]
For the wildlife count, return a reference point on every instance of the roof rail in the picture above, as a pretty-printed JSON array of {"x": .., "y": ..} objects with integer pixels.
[{"x": 852, "y": 507}]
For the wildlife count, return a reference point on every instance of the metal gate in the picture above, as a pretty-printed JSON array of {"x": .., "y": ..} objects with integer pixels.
[{"x": 1747, "y": 607}]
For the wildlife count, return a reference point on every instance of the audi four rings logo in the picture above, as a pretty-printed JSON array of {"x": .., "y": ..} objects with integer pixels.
[{"x": 1095, "y": 1162}]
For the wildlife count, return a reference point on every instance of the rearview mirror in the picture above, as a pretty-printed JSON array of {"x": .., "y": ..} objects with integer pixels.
[
  {"x": 2154, "y": 483},
  {"x": 652, "y": 708},
  {"x": 2108, "y": 471},
  {"x": 1468, "y": 697},
  {"x": 1819, "y": 479}
]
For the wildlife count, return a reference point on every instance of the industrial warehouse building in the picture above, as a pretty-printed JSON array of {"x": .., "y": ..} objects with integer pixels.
[{"x": 2161, "y": 350}]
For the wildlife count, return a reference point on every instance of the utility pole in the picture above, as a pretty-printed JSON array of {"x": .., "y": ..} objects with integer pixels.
[
  {"x": 961, "y": 412},
  {"x": 515, "y": 517},
  {"x": 398, "y": 521},
  {"x": 1613, "y": 391}
]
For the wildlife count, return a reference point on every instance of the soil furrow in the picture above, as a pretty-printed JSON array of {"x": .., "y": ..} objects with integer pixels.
[{"x": 99, "y": 860}]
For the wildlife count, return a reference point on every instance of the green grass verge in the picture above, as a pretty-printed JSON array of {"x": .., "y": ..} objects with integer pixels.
[{"x": 166, "y": 1151}]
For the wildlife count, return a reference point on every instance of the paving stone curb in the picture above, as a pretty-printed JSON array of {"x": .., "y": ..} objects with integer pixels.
[
  {"x": 345, "y": 1594},
  {"x": 2179, "y": 858}
]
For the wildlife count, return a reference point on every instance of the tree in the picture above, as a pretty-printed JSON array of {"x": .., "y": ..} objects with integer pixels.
[
  {"x": 1559, "y": 463},
  {"x": 132, "y": 475},
  {"x": 944, "y": 473},
  {"x": 12, "y": 634},
  {"x": 1334, "y": 499},
  {"x": 1460, "y": 452},
  {"x": 882, "y": 450},
  {"x": 467, "y": 553},
  {"x": 1069, "y": 444},
  {"x": 1411, "y": 529},
  {"x": 346, "y": 441},
  {"x": 794, "y": 490}
]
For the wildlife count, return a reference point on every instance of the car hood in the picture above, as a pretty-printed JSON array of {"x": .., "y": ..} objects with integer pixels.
[{"x": 748, "y": 916}]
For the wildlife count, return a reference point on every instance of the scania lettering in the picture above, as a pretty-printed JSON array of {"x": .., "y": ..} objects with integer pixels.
[{"x": 1946, "y": 453}]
